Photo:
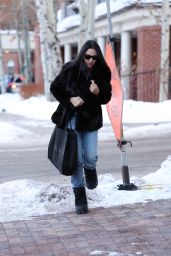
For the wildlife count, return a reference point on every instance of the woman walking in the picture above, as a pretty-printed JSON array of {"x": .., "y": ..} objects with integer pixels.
[{"x": 81, "y": 87}]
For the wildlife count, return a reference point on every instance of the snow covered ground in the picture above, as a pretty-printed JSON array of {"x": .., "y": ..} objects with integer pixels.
[
  {"x": 152, "y": 118},
  {"x": 22, "y": 199}
]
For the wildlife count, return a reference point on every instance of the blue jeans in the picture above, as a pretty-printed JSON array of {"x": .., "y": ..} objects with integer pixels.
[{"x": 87, "y": 153}]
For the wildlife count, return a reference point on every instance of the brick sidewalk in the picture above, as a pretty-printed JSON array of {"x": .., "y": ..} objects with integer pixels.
[{"x": 129, "y": 230}]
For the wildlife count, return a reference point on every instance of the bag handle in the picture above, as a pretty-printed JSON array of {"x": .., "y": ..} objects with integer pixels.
[{"x": 70, "y": 110}]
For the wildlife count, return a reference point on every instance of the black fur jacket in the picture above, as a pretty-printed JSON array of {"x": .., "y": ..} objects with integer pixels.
[{"x": 67, "y": 85}]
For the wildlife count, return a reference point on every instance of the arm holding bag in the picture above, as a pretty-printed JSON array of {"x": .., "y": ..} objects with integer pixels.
[{"x": 62, "y": 150}]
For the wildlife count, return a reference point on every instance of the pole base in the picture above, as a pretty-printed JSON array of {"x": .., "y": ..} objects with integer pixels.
[{"x": 130, "y": 187}]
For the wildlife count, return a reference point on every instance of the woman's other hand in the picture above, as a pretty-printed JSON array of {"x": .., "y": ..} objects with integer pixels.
[
  {"x": 76, "y": 101},
  {"x": 94, "y": 88}
]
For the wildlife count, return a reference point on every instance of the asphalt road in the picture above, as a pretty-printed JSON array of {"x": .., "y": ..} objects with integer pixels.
[{"x": 29, "y": 160}]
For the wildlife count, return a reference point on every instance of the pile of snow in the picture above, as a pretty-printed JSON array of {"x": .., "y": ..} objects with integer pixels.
[
  {"x": 23, "y": 199},
  {"x": 40, "y": 109},
  {"x": 153, "y": 119},
  {"x": 146, "y": 112},
  {"x": 35, "y": 107}
]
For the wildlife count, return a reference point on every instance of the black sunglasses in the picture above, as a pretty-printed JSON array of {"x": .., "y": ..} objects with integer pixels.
[{"x": 88, "y": 57}]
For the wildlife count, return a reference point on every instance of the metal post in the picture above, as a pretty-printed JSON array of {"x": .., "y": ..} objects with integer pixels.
[
  {"x": 111, "y": 35},
  {"x": 124, "y": 166}
]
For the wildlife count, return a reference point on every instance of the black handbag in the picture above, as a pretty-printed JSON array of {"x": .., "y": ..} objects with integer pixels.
[{"x": 62, "y": 150}]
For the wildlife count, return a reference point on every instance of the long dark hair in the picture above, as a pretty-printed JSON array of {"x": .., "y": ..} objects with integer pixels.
[{"x": 77, "y": 63}]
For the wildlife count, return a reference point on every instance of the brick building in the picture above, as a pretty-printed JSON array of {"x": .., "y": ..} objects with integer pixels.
[
  {"x": 137, "y": 39},
  {"x": 17, "y": 25}
]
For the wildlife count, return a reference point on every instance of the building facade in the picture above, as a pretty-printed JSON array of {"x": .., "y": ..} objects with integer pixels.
[{"x": 137, "y": 42}]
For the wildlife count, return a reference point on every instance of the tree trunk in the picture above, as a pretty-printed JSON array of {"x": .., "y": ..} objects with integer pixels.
[
  {"x": 19, "y": 49},
  {"x": 18, "y": 32},
  {"x": 83, "y": 23},
  {"x": 50, "y": 48},
  {"x": 91, "y": 18},
  {"x": 27, "y": 51},
  {"x": 164, "y": 63}
]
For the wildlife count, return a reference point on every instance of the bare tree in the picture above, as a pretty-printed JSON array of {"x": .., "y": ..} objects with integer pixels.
[
  {"x": 20, "y": 15},
  {"x": 87, "y": 18},
  {"x": 83, "y": 22},
  {"x": 50, "y": 47},
  {"x": 91, "y": 19},
  {"x": 164, "y": 62}
]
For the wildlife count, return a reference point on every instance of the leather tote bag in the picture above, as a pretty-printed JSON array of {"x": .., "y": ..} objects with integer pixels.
[{"x": 62, "y": 150}]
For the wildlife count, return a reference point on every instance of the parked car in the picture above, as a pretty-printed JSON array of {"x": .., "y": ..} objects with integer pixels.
[{"x": 15, "y": 83}]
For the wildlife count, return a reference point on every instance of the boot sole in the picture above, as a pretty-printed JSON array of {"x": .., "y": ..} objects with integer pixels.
[{"x": 82, "y": 210}]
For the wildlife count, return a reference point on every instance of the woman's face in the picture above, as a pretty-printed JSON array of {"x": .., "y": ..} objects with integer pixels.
[{"x": 90, "y": 57}]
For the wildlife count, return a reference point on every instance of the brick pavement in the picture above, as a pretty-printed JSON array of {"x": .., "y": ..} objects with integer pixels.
[{"x": 129, "y": 230}]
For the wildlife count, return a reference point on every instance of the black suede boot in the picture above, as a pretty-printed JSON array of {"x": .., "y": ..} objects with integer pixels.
[
  {"x": 91, "y": 178},
  {"x": 80, "y": 200}
]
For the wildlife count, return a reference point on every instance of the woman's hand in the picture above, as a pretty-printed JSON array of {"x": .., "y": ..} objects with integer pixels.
[
  {"x": 94, "y": 88},
  {"x": 76, "y": 101}
]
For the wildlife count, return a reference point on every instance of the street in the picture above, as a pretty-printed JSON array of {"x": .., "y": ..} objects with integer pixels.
[{"x": 29, "y": 160}]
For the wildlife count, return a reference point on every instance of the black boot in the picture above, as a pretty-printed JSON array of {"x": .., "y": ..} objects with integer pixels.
[
  {"x": 91, "y": 178},
  {"x": 80, "y": 200}
]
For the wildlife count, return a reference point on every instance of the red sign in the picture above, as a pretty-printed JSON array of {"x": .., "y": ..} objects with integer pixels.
[{"x": 115, "y": 105}]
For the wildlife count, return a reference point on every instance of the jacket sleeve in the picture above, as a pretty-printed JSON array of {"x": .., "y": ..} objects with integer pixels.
[
  {"x": 105, "y": 93},
  {"x": 103, "y": 97},
  {"x": 58, "y": 89}
]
